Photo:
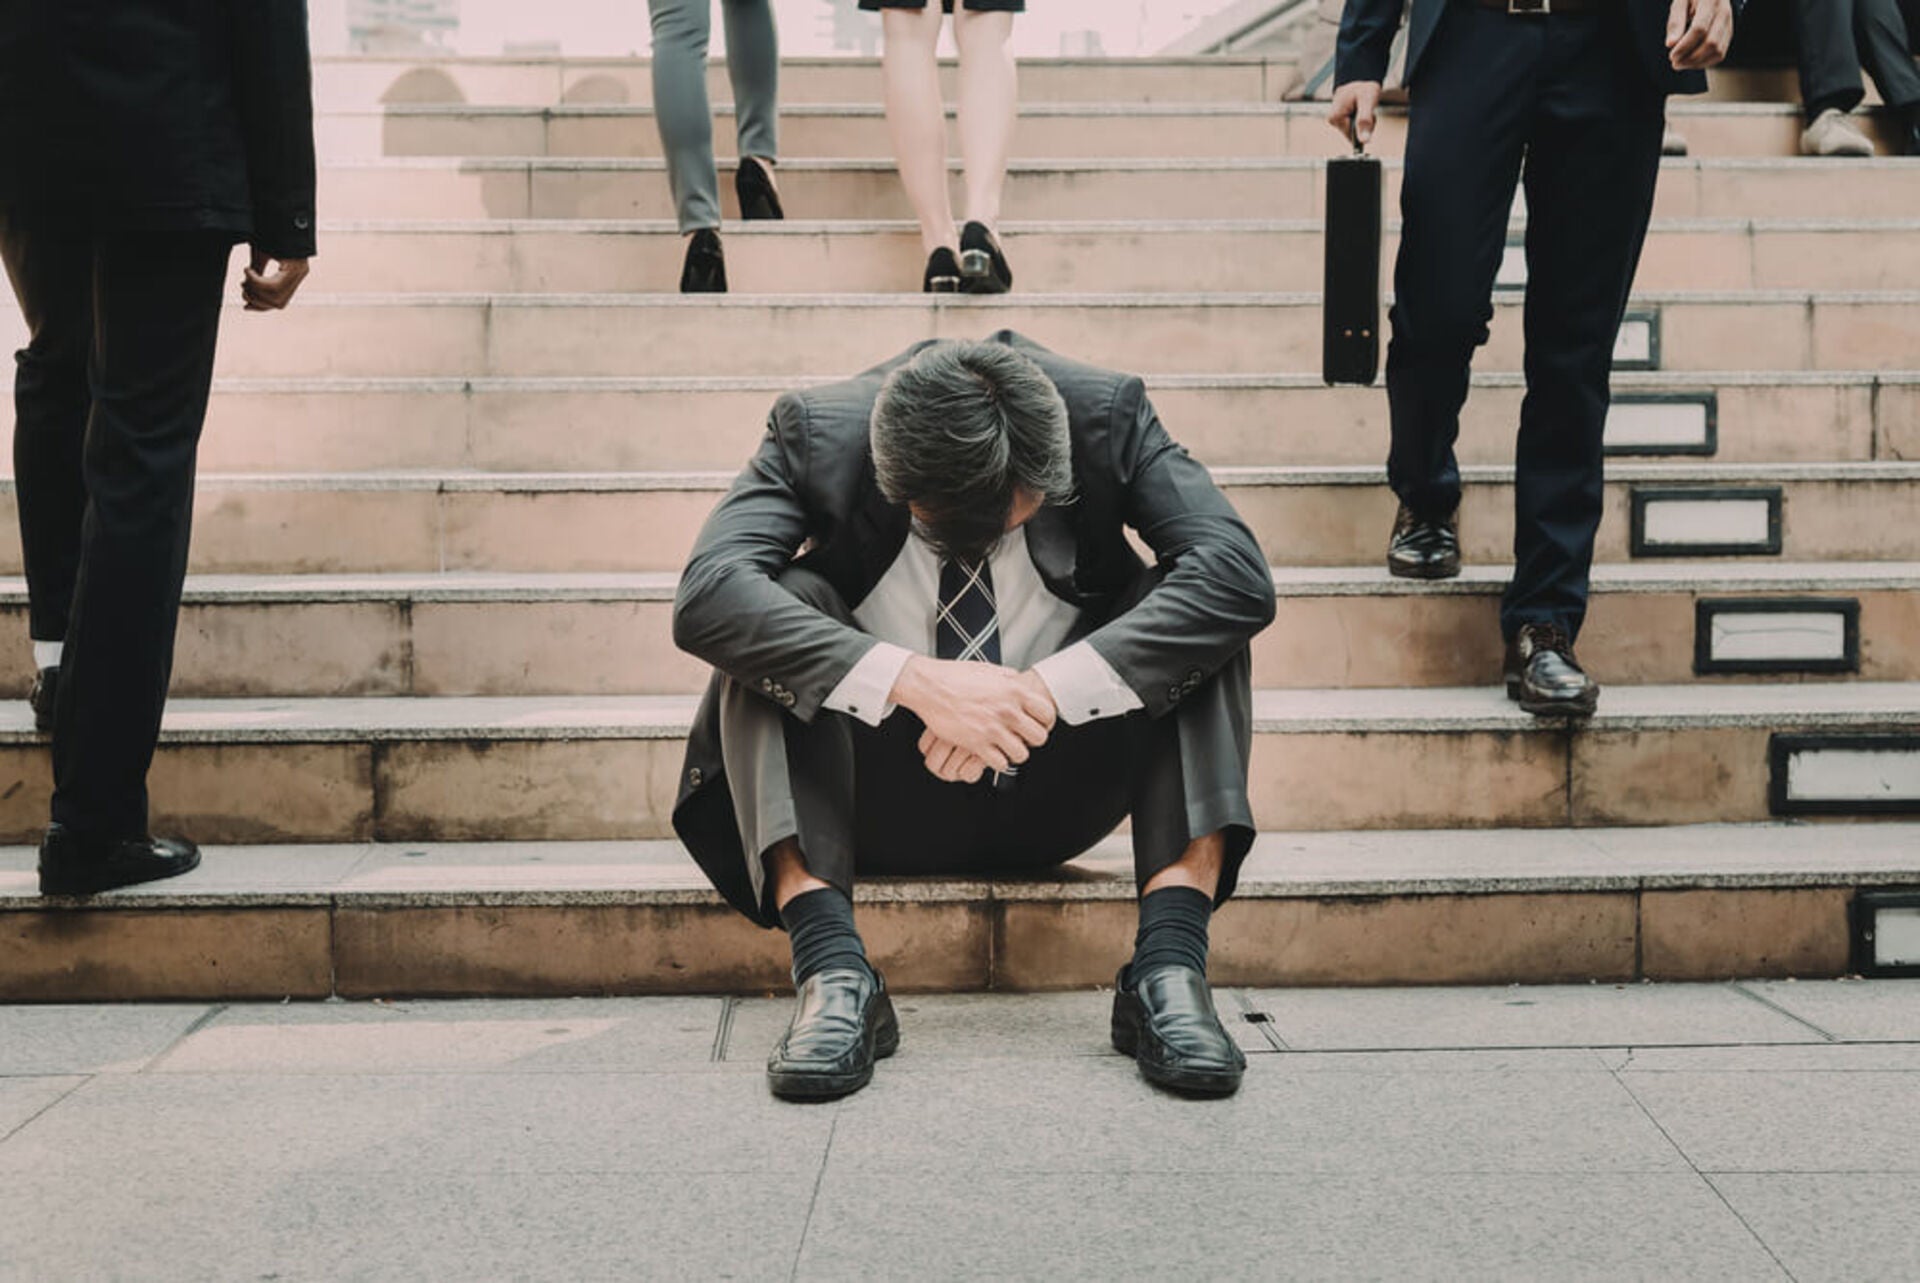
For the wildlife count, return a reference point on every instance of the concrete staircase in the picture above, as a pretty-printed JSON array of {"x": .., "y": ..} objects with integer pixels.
[{"x": 426, "y": 688}]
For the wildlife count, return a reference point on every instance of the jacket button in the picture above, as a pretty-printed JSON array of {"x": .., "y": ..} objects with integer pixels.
[
  {"x": 1174, "y": 692},
  {"x": 786, "y": 698},
  {"x": 766, "y": 684},
  {"x": 694, "y": 777}
]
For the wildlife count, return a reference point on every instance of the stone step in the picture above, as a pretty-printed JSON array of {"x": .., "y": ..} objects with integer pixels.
[
  {"x": 363, "y": 82},
  {"x": 563, "y": 522},
  {"x": 597, "y": 335},
  {"x": 1080, "y": 129},
  {"x": 1099, "y": 188},
  {"x": 578, "y": 919},
  {"x": 607, "y": 767},
  {"x": 578, "y": 256},
  {"x": 610, "y": 634},
  {"x": 634, "y": 425}
]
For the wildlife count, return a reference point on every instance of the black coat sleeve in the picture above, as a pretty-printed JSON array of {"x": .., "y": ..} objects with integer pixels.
[
  {"x": 1215, "y": 588},
  {"x": 273, "y": 90},
  {"x": 1365, "y": 48}
]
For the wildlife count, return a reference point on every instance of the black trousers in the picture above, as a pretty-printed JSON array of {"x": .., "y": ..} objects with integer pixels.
[
  {"x": 861, "y": 801},
  {"x": 1838, "y": 38},
  {"x": 109, "y": 399},
  {"x": 1564, "y": 103}
]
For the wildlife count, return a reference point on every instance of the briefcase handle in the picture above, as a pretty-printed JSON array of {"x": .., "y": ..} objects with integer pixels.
[{"x": 1353, "y": 133}]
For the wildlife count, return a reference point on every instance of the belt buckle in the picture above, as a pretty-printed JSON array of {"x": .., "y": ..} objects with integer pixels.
[{"x": 1541, "y": 7}]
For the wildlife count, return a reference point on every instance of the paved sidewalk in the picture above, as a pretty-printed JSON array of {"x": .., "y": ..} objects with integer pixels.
[{"x": 1745, "y": 1131}]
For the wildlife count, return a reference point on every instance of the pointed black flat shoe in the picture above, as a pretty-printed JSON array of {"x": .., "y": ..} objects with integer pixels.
[
  {"x": 705, "y": 271},
  {"x": 758, "y": 198},
  {"x": 73, "y": 865},
  {"x": 843, "y": 1022},
  {"x": 943, "y": 273},
  {"x": 1166, "y": 1021},
  {"x": 45, "y": 692},
  {"x": 983, "y": 267}
]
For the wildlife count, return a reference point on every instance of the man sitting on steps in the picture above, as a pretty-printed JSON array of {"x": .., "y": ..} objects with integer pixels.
[{"x": 937, "y": 653}]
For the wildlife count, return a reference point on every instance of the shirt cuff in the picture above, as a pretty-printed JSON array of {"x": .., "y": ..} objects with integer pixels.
[
  {"x": 1085, "y": 688},
  {"x": 866, "y": 689}
]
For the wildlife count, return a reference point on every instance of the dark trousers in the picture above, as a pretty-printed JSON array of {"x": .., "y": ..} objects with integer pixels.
[
  {"x": 1839, "y": 37},
  {"x": 1565, "y": 102},
  {"x": 861, "y": 801},
  {"x": 109, "y": 399}
]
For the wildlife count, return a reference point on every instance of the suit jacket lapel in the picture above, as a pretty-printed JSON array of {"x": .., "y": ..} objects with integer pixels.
[{"x": 1051, "y": 545}]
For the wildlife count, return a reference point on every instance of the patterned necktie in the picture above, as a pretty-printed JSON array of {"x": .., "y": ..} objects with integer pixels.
[{"x": 968, "y": 626}]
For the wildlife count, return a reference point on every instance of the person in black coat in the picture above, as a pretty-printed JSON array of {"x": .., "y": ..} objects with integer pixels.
[
  {"x": 139, "y": 142},
  {"x": 1568, "y": 96}
]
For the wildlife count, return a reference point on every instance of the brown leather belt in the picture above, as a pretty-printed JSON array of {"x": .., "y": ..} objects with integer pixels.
[{"x": 1546, "y": 8}]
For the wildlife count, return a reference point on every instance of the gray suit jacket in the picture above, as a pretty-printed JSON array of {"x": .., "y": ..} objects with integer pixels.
[{"x": 809, "y": 494}]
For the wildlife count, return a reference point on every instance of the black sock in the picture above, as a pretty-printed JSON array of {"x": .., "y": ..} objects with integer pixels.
[
  {"x": 820, "y": 925},
  {"x": 1173, "y": 930}
]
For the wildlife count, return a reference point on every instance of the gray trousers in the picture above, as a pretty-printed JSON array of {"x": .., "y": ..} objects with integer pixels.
[
  {"x": 861, "y": 801},
  {"x": 681, "y": 29},
  {"x": 1840, "y": 37}
]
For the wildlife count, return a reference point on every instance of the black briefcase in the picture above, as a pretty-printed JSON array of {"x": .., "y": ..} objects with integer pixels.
[{"x": 1350, "y": 344}]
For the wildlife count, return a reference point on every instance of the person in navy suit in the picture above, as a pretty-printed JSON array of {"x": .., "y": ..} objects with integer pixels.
[{"x": 1569, "y": 97}]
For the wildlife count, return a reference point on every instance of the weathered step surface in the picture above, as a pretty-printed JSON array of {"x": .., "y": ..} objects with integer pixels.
[
  {"x": 1070, "y": 188},
  {"x": 1105, "y": 256},
  {"x": 383, "y": 523},
  {"x": 632, "y": 918},
  {"x": 600, "y": 335},
  {"x": 1045, "y": 128},
  {"x": 364, "y": 82},
  {"x": 611, "y": 634},
  {"x": 459, "y": 769},
  {"x": 707, "y": 424}
]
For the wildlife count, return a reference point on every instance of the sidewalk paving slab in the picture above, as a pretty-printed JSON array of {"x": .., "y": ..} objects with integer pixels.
[
  {"x": 91, "y": 1039},
  {"x": 1883, "y": 1010},
  {"x": 1789, "y": 1120},
  {"x": 1832, "y": 1228},
  {"x": 21, "y": 1099}
]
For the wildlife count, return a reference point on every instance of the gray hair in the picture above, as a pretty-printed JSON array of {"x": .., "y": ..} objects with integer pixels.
[{"x": 959, "y": 430}]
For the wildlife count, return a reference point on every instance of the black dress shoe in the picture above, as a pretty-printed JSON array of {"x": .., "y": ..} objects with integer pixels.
[
  {"x": 1423, "y": 549},
  {"x": 74, "y": 865},
  {"x": 843, "y": 1021},
  {"x": 705, "y": 271},
  {"x": 46, "y": 689},
  {"x": 758, "y": 199},
  {"x": 1165, "y": 1020},
  {"x": 943, "y": 273},
  {"x": 1544, "y": 676},
  {"x": 983, "y": 268}
]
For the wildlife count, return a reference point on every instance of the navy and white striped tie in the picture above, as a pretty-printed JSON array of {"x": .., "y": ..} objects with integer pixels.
[{"x": 968, "y": 626}]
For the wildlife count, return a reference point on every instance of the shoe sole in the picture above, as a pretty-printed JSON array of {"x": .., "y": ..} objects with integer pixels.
[
  {"x": 1187, "y": 1082},
  {"x": 886, "y": 1041},
  {"x": 1399, "y": 571},
  {"x": 90, "y": 886},
  {"x": 1583, "y": 707}
]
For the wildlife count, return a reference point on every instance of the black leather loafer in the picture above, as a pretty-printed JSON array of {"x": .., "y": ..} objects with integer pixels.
[
  {"x": 73, "y": 865},
  {"x": 1545, "y": 678},
  {"x": 943, "y": 273},
  {"x": 705, "y": 271},
  {"x": 843, "y": 1022},
  {"x": 1165, "y": 1020},
  {"x": 46, "y": 689},
  {"x": 1422, "y": 549},
  {"x": 983, "y": 268},
  {"x": 754, "y": 186}
]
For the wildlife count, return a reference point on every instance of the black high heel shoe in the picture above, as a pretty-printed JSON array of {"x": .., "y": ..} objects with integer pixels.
[
  {"x": 983, "y": 268},
  {"x": 943, "y": 273},
  {"x": 758, "y": 199},
  {"x": 705, "y": 271}
]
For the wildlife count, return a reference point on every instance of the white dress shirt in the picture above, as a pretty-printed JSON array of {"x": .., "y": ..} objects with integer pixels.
[{"x": 900, "y": 611}]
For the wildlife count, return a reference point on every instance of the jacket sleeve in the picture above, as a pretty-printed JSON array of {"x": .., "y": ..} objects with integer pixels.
[
  {"x": 731, "y": 611},
  {"x": 1214, "y": 590},
  {"x": 1365, "y": 48},
  {"x": 273, "y": 90}
]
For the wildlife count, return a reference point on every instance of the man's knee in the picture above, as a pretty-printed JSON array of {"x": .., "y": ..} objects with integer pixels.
[{"x": 814, "y": 589}]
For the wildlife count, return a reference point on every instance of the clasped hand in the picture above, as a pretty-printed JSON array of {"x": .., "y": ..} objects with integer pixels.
[{"x": 979, "y": 717}]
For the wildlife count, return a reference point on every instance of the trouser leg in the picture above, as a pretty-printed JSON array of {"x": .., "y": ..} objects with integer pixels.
[
  {"x": 1466, "y": 129},
  {"x": 681, "y": 30},
  {"x": 156, "y": 307},
  {"x": 1192, "y": 778},
  {"x": 753, "y": 64},
  {"x": 50, "y": 263},
  {"x": 1829, "y": 59},
  {"x": 1592, "y": 162},
  {"x": 1885, "y": 41}
]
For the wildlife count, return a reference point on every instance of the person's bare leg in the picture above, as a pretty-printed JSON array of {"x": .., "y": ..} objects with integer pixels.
[
  {"x": 989, "y": 102},
  {"x": 1199, "y": 867},
  {"x": 917, "y": 119},
  {"x": 788, "y": 875}
]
